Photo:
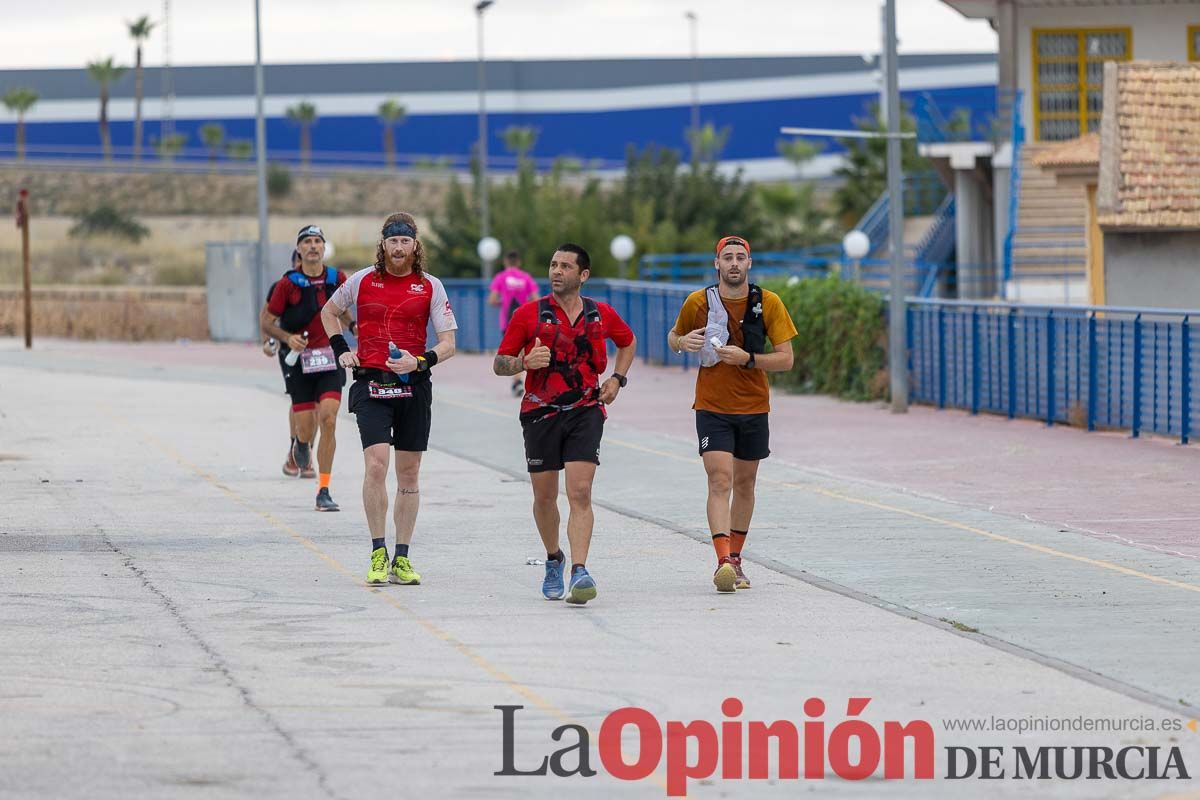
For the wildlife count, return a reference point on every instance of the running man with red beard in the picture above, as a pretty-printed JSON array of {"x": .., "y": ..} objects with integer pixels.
[{"x": 392, "y": 395}]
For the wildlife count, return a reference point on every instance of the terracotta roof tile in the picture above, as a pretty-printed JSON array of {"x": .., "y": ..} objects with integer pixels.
[
  {"x": 1081, "y": 152},
  {"x": 1157, "y": 152}
]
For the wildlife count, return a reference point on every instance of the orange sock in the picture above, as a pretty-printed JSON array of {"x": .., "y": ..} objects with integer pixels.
[
  {"x": 324, "y": 480},
  {"x": 721, "y": 545},
  {"x": 737, "y": 542}
]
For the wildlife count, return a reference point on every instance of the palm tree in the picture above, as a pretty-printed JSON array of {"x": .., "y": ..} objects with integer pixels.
[
  {"x": 304, "y": 114},
  {"x": 105, "y": 73},
  {"x": 139, "y": 29},
  {"x": 213, "y": 136},
  {"x": 707, "y": 143},
  {"x": 170, "y": 146},
  {"x": 20, "y": 100},
  {"x": 240, "y": 149},
  {"x": 391, "y": 114},
  {"x": 519, "y": 140}
]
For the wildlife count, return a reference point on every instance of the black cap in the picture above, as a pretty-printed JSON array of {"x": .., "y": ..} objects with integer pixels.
[{"x": 310, "y": 230}]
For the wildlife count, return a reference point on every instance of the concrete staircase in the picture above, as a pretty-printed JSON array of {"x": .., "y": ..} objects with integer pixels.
[{"x": 1049, "y": 253}]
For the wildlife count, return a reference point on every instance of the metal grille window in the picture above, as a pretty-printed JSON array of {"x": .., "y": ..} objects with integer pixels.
[{"x": 1068, "y": 77}]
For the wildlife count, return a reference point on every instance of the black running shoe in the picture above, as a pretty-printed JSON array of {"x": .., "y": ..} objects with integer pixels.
[
  {"x": 325, "y": 502},
  {"x": 302, "y": 453}
]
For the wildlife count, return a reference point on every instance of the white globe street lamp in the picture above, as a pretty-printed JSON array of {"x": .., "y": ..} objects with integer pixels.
[
  {"x": 856, "y": 245},
  {"x": 488, "y": 250},
  {"x": 622, "y": 248}
]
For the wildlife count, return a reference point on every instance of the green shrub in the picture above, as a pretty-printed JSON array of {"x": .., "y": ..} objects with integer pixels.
[
  {"x": 106, "y": 219},
  {"x": 841, "y": 343},
  {"x": 279, "y": 180}
]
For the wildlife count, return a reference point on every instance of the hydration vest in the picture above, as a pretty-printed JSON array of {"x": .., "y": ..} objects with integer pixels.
[
  {"x": 563, "y": 384},
  {"x": 297, "y": 317},
  {"x": 754, "y": 330}
]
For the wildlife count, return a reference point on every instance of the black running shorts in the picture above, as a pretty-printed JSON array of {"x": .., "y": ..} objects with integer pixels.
[
  {"x": 402, "y": 422},
  {"x": 566, "y": 436},
  {"x": 745, "y": 435},
  {"x": 308, "y": 390}
]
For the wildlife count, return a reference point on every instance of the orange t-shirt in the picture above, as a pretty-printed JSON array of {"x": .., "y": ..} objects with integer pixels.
[{"x": 725, "y": 388}]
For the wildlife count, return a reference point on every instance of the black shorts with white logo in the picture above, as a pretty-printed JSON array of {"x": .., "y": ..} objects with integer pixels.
[
  {"x": 572, "y": 435},
  {"x": 402, "y": 420},
  {"x": 745, "y": 435}
]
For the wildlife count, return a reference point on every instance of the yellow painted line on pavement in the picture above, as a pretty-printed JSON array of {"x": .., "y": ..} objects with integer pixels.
[
  {"x": 432, "y": 628},
  {"x": 1037, "y": 548}
]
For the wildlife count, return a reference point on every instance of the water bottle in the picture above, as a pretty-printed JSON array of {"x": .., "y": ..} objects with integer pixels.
[
  {"x": 396, "y": 354},
  {"x": 291, "y": 358}
]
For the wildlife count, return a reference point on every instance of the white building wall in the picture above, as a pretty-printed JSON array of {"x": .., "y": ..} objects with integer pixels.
[{"x": 1159, "y": 33}]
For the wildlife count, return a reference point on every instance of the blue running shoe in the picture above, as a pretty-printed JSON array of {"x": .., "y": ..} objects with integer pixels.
[
  {"x": 583, "y": 588},
  {"x": 552, "y": 584}
]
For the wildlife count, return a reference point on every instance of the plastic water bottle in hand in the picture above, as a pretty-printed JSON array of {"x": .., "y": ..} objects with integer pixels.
[
  {"x": 294, "y": 356},
  {"x": 395, "y": 353}
]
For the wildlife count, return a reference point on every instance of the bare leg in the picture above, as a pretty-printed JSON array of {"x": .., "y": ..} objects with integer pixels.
[
  {"x": 745, "y": 474},
  {"x": 408, "y": 497},
  {"x": 580, "y": 475},
  {"x": 545, "y": 507},
  {"x": 719, "y": 466},
  {"x": 375, "y": 499},
  {"x": 327, "y": 421}
]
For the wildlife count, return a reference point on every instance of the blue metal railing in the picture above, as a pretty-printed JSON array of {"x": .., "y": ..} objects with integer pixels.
[
  {"x": 973, "y": 120},
  {"x": 1089, "y": 366}
]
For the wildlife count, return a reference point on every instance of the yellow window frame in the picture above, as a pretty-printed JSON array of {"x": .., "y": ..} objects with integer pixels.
[
  {"x": 1081, "y": 59},
  {"x": 1193, "y": 52}
]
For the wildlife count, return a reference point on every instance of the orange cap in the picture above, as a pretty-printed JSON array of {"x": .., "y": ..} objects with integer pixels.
[{"x": 732, "y": 240}]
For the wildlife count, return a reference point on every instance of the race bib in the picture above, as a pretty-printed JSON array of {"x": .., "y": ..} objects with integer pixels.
[
  {"x": 317, "y": 359},
  {"x": 391, "y": 391}
]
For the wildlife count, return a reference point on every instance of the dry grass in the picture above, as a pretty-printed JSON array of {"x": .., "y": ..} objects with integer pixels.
[{"x": 120, "y": 313}]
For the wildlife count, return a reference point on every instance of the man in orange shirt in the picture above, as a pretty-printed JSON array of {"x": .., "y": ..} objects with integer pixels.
[{"x": 742, "y": 332}]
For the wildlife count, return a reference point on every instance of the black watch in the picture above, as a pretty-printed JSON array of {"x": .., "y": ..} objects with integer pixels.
[
  {"x": 749, "y": 364},
  {"x": 621, "y": 379}
]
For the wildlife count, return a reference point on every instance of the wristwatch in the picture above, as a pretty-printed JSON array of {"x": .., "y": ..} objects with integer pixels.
[
  {"x": 621, "y": 379},
  {"x": 749, "y": 364}
]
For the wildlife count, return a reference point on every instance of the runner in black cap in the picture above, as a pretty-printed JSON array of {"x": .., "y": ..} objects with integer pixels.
[{"x": 314, "y": 379}]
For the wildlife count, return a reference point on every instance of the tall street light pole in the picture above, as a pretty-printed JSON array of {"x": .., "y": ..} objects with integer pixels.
[
  {"x": 691, "y": 18},
  {"x": 260, "y": 141},
  {"x": 484, "y": 222},
  {"x": 897, "y": 348}
]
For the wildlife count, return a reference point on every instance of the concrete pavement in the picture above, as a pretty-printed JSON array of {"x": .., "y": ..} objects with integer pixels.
[{"x": 178, "y": 622}]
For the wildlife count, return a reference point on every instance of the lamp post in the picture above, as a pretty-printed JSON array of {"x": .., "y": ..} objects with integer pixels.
[
  {"x": 484, "y": 226},
  {"x": 488, "y": 251},
  {"x": 691, "y": 18},
  {"x": 856, "y": 245},
  {"x": 622, "y": 249},
  {"x": 897, "y": 310},
  {"x": 260, "y": 146}
]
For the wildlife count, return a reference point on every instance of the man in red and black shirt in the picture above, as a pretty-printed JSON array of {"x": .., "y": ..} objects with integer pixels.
[
  {"x": 562, "y": 413},
  {"x": 312, "y": 375}
]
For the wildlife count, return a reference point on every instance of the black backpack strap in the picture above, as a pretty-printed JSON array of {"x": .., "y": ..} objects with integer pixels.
[
  {"x": 591, "y": 311},
  {"x": 754, "y": 328},
  {"x": 546, "y": 313}
]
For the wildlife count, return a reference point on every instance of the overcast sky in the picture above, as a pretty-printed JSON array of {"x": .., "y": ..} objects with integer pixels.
[{"x": 68, "y": 33}]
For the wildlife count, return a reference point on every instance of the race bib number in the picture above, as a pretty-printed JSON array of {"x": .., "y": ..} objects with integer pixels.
[
  {"x": 317, "y": 359},
  {"x": 392, "y": 391}
]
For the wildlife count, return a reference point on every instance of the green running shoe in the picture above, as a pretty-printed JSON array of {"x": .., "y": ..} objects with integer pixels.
[
  {"x": 402, "y": 572},
  {"x": 377, "y": 575}
]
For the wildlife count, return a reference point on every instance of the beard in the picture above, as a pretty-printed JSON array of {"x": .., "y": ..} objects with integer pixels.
[
  {"x": 400, "y": 260},
  {"x": 738, "y": 281}
]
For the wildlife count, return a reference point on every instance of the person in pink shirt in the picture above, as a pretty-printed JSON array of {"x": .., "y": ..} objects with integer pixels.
[{"x": 511, "y": 288}]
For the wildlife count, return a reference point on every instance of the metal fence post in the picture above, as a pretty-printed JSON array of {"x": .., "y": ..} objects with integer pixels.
[
  {"x": 975, "y": 360},
  {"x": 1050, "y": 367},
  {"x": 1137, "y": 375},
  {"x": 1012, "y": 362},
  {"x": 1093, "y": 383},
  {"x": 1185, "y": 376},
  {"x": 941, "y": 327}
]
